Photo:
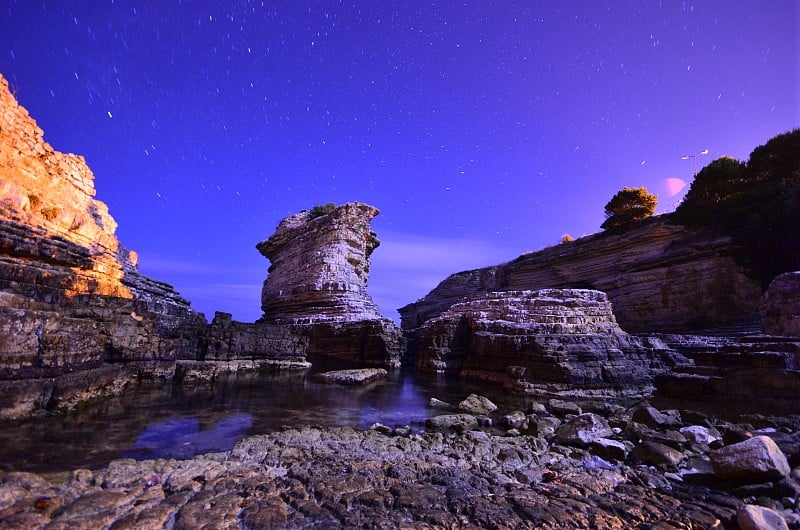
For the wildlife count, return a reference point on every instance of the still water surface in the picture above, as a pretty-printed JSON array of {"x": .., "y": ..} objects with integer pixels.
[{"x": 181, "y": 421}]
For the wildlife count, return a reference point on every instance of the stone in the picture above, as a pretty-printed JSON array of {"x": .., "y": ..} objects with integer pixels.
[
  {"x": 656, "y": 454},
  {"x": 516, "y": 420},
  {"x": 698, "y": 434},
  {"x": 544, "y": 427},
  {"x": 749, "y": 462},
  {"x": 583, "y": 430},
  {"x": 562, "y": 408},
  {"x": 660, "y": 276},
  {"x": 317, "y": 283},
  {"x": 752, "y": 517},
  {"x": 477, "y": 405},
  {"x": 564, "y": 338},
  {"x": 448, "y": 422},
  {"x": 609, "y": 449},
  {"x": 780, "y": 305},
  {"x": 652, "y": 417},
  {"x": 353, "y": 377},
  {"x": 307, "y": 477},
  {"x": 439, "y": 404}
]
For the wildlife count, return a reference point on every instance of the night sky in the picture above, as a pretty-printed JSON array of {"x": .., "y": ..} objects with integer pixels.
[{"x": 481, "y": 130}]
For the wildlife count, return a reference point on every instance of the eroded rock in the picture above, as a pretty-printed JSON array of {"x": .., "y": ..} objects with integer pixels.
[
  {"x": 317, "y": 284},
  {"x": 534, "y": 341}
]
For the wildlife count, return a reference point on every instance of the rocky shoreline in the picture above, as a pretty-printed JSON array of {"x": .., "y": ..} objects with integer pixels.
[{"x": 553, "y": 465}]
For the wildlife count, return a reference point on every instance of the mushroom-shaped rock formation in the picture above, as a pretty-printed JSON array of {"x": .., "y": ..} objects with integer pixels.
[{"x": 317, "y": 283}]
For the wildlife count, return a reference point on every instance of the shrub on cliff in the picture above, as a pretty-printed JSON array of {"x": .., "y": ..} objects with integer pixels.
[
  {"x": 757, "y": 204},
  {"x": 321, "y": 209},
  {"x": 627, "y": 206}
]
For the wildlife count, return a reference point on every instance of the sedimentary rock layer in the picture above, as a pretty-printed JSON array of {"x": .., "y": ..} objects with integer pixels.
[
  {"x": 75, "y": 313},
  {"x": 558, "y": 337},
  {"x": 317, "y": 283},
  {"x": 780, "y": 307},
  {"x": 659, "y": 276}
]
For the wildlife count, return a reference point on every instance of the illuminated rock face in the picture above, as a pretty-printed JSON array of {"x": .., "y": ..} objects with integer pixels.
[
  {"x": 317, "y": 283},
  {"x": 71, "y": 298}
]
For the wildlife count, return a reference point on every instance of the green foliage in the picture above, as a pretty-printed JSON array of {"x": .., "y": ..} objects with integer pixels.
[
  {"x": 717, "y": 188},
  {"x": 321, "y": 209},
  {"x": 627, "y": 206},
  {"x": 757, "y": 204}
]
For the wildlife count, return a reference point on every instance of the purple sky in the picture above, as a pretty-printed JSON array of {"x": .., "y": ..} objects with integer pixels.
[{"x": 481, "y": 130}]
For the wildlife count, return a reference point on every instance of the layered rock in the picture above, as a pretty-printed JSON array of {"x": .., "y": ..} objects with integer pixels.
[
  {"x": 541, "y": 341},
  {"x": 71, "y": 298},
  {"x": 659, "y": 276},
  {"x": 317, "y": 283},
  {"x": 780, "y": 307},
  {"x": 753, "y": 372}
]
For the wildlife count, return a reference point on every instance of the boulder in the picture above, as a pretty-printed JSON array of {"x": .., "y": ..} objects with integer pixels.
[
  {"x": 478, "y": 405},
  {"x": 652, "y": 417},
  {"x": 753, "y": 517},
  {"x": 609, "y": 449},
  {"x": 452, "y": 422},
  {"x": 656, "y": 454},
  {"x": 583, "y": 430},
  {"x": 752, "y": 461}
]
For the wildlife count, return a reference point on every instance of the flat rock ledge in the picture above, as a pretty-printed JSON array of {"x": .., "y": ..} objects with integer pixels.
[{"x": 353, "y": 377}]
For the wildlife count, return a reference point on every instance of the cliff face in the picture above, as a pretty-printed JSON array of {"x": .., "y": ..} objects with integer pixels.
[
  {"x": 537, "y": 341},
  {"x": 70, "y": 295},
  {"x": 659, "y": 276},
  {"x": 317, "y": 283},
  {"x": 780, "y": 307}
]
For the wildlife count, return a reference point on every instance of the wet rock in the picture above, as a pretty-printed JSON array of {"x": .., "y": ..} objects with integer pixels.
[
  {"x": 353, "y": 377},
  {"x": 751, "y": 517},
  {"x": 448, "y": 422},
  {"x": 583, "y": 430},
  {"x": 478, "y": 405},
  {"x": 755, "y": 460},
  {"x": 439, "y": 404}
]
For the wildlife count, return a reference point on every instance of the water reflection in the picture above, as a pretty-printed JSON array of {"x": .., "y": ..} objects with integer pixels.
[
  {"x": 181, "y": 421},
  {"x": 184, "y": 438}
]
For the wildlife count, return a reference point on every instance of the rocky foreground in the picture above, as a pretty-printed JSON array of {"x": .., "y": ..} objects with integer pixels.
[{"x": 551, "y": 466}]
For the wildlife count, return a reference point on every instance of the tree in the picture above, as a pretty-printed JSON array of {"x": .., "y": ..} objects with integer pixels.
[
  {"x": 627, "y": 206},
  {"x": 757, "y": 204},
  {"x": 714, "y": 193}
]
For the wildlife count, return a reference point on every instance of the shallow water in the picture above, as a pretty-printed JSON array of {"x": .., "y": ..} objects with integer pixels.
[{"x": 173, "y": 421}]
